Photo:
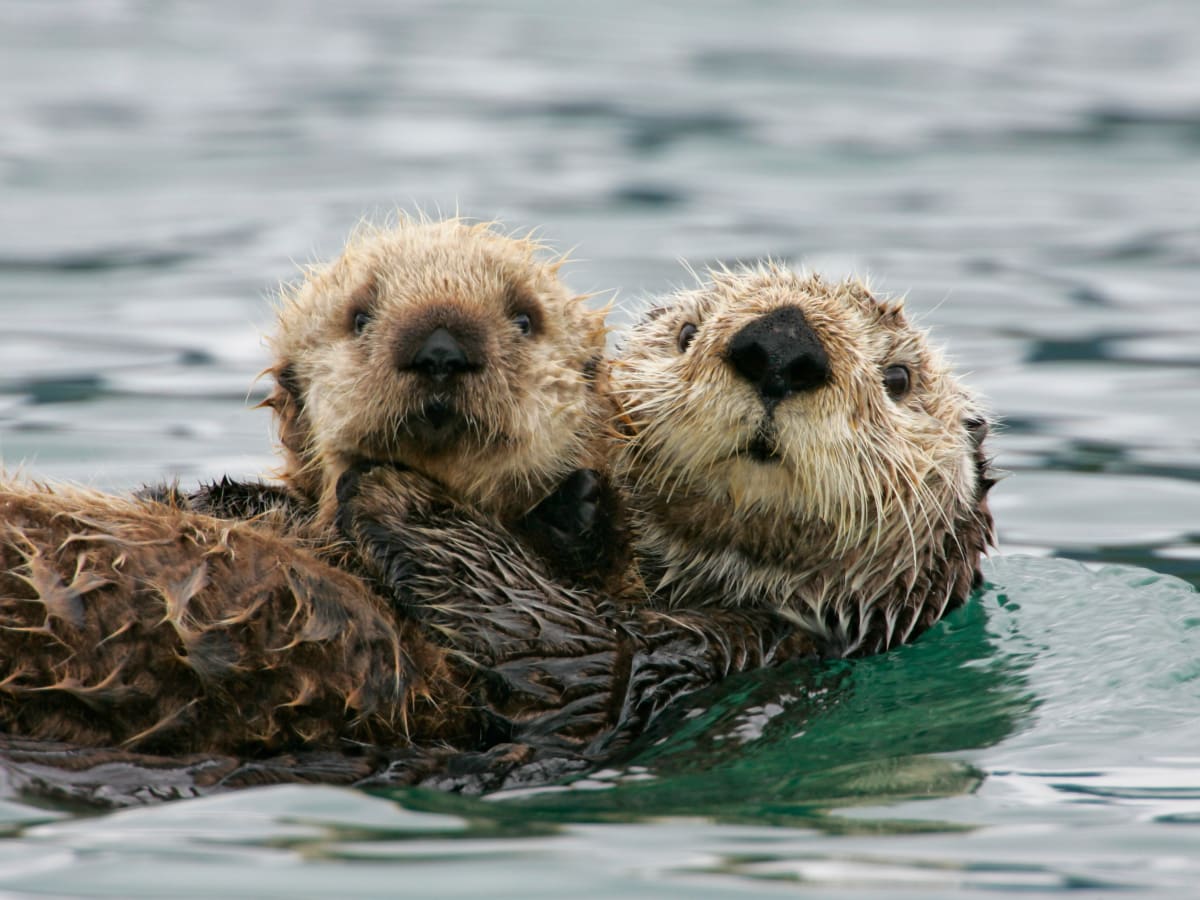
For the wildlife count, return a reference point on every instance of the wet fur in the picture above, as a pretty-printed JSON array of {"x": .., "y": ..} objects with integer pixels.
[
  {"x": 142, "y": 628},
  {"x": 146, "y": 628},
  {"x": 870, "y": 520}
]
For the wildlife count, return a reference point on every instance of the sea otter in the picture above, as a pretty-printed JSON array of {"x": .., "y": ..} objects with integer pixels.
[
  {"x": 454, "y": 351},
  {"x": 795, "y": 443},
  {"x": 139, "y": 627},
  {"x": 439, "y": 348},
  {"x": 533, "y": 666}
]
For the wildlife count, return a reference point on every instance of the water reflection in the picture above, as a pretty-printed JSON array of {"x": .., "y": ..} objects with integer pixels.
[{"x": 787, "y": 746}]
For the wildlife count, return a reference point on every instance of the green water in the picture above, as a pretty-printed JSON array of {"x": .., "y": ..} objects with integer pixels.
[{"x": 1036, "y": 741}]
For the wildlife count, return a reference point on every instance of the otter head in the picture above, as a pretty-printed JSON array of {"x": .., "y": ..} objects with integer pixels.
[
  {"x": 797, "y": 443},
  {"x": 443, "y": 346}
]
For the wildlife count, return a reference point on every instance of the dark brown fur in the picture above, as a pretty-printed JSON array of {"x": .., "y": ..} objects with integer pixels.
[
  {"x": 144, "y": 628},
  {"x": 139, "y": 625}
]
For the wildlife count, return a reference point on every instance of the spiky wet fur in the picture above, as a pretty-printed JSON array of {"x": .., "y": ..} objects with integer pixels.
[
  {"x": 136, "y": 627},
  {"x": 136, "y": 624},
  {"x": 869, "y": 522},
  {"x": 535, "y": 411}
]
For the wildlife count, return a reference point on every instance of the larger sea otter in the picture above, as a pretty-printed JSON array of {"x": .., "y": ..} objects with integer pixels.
[{"x": 796, "y": 444}]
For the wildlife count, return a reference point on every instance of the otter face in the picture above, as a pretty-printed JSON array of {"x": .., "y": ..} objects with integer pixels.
[
  {"x": 797, "y": 443},
  {"x": 445, "y": 347}
]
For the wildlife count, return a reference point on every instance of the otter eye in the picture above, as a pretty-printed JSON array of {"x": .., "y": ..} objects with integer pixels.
[
  {"x": 686, "y": 334},
  {"x": 361, "y": 320},
  {"x": 524, "y": 323},
  {"x": 896, "y": 381}
]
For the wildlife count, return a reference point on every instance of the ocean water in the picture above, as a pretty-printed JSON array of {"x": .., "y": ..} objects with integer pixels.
[{"x": 1028, "y": 176}]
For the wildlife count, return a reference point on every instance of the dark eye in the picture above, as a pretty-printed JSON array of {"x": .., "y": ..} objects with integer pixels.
[
  {"x": 361, "y": 321},
  {"x": 686, "y": 334},
  {"x": 896, "y": 381},
  {"x": 524, "y": 323}
]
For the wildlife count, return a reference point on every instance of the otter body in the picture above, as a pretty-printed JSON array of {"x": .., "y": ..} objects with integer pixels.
[
  {"x": 441, "y": 375},
  {"x": 796, "y": 444},
  {"x": 136, "y": 624},
  {"x": 142, "y": 628}
]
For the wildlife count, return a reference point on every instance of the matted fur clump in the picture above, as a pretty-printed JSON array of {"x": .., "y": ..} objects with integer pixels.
[
  {"x": 139, "y": 625},
  {"x": 796, "y": 443}
]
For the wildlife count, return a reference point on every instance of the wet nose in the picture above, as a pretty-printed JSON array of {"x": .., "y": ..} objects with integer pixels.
[
  {"x": 440, "y": 357},
  {"x": 779, "y": 354}
]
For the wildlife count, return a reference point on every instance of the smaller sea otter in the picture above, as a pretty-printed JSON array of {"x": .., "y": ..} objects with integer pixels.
[
  {"x": 795, "y": 443},
  {"x": 444, "y": 359}
]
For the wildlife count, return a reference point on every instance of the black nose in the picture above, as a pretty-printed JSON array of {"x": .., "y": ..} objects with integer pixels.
[
  {"x": 779, "y": 354},
  {"x": 440, "y": 357}
]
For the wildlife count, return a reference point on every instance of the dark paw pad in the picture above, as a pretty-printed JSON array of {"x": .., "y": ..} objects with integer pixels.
[
  {"x": 570, "y": 512},
  {"x": 347, "y": 484},
  {"x": 346, "y": 490}
]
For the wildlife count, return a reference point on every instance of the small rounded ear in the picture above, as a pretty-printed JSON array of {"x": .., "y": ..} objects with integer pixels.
[
  {"x": 286, "y": 402},
  {"x": 978, "y": 428},
  {"x": 888, "y": 312}
]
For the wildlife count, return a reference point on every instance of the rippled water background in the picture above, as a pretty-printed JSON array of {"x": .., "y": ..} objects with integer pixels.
[{"x": 1029, "y": 175}]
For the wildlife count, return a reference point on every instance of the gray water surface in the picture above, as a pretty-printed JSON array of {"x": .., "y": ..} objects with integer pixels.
[{"x": 1028, "y": 176}]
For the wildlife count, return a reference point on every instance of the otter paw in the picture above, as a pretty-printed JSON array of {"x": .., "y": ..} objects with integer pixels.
[
  {"x": 353, "y": 484},
  {"x": 348, "y": 482},
  {"x": 570, "y": 512}
]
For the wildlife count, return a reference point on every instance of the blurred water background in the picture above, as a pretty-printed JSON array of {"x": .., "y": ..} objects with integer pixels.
[{"x": 1028, "y": 174}]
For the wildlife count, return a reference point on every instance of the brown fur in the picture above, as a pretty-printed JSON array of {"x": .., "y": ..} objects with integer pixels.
[
  {"x": 139, "y": 625},
  {"x": 144, "y": 628},
  {"x": 532, "y": 410},
  {"x": 868, "y": 522}
]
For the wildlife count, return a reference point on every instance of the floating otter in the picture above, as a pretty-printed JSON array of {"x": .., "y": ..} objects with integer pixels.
[
  {"x": 795, "y": 443},
  {"x": 520, "y": 664},
  {"x": 440, "y": 346},
  {"x": 140, "y": 627}
]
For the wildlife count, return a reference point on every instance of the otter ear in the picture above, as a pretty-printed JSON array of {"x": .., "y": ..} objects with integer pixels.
[
  {"x": 886, "y": 311},
  {"x": 977, "y": 427},
  {"x": 287, "y": 403}
]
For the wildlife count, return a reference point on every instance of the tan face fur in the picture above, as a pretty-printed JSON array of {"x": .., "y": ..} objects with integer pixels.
[
  {"x": 520, "y": 409},
  {"x": 857, "y": 510}
]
